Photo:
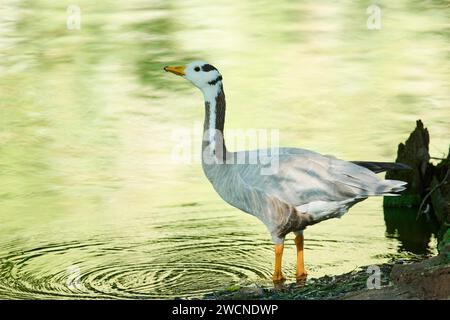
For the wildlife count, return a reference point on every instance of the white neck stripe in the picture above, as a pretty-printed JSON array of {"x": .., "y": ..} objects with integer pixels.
[{"x": 210, "y": 95}]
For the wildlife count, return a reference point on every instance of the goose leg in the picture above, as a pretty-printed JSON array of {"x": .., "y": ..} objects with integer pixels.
[
  {"x": 278, "y": 275},
  {"x": 301, "y": 273}
]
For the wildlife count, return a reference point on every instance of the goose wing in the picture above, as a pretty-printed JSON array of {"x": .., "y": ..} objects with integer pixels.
[{"x": 299, "y": 176}]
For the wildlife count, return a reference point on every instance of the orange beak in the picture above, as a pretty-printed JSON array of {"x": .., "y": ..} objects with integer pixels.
[{"x": 179, "y": 70}]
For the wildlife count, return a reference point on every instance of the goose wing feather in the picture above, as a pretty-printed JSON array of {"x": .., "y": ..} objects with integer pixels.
[{"x": 302, "y": 176}]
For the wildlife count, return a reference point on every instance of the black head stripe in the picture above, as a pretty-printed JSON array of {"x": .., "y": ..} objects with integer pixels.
[
  {"x": 213, "y": 82},
  {"x": 208, "y": 67}
]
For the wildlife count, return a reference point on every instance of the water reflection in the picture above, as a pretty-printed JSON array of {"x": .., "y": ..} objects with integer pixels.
[{"x": 414, "y": 234}]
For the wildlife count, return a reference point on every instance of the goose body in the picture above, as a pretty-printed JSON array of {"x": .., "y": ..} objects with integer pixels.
[{"x": 304, "y": 188}]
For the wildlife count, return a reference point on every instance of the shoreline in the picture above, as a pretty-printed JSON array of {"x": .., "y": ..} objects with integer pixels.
[{"x": 428, "y": 278}]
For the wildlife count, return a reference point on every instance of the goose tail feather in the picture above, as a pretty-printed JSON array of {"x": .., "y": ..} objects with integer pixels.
[{"x": 390, "y": 187}]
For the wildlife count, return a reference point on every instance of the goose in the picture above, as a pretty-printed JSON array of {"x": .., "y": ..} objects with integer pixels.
[{"x": 304, "y": 189}]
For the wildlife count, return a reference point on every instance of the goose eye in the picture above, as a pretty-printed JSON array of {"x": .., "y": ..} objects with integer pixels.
[{"x": 197, "y": 69}]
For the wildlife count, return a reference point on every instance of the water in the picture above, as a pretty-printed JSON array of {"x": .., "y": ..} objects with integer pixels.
[{"x": 91, "y": 205}]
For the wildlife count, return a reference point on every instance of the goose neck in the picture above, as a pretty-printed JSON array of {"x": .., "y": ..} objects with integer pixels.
[{"x": 213, "y": 141}]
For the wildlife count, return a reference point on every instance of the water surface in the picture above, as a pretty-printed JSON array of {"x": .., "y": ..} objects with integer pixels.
[{"x": 91, "y": 205}]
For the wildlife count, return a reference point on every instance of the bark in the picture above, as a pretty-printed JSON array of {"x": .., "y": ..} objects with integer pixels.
[
  {"x": 428, "y": 185},
  {"x": 414, "y": 152}
]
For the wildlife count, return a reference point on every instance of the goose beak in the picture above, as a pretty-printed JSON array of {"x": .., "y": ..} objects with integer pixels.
[{"x": 178, "y": 70}]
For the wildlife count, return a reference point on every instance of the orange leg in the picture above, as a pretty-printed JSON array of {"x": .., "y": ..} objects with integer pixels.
[
  {"x": 301, "y": 272},
  {"x": 278, "y": 275}
]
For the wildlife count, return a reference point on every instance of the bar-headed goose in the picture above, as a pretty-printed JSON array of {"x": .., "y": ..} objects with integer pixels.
[{"x": 305, "y": 188}]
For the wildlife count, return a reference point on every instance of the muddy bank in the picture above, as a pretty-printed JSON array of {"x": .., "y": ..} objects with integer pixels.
[{"x": 426, "y": 279}]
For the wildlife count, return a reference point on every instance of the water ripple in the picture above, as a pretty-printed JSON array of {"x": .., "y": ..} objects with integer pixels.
[{"x": 98, "y": 269}]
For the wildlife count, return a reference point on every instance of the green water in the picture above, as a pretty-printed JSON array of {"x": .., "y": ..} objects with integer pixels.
[{"x": 88, "y": 188}]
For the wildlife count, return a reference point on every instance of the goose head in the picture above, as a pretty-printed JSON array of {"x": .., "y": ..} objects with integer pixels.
[{"x": 200, "y": 73}]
